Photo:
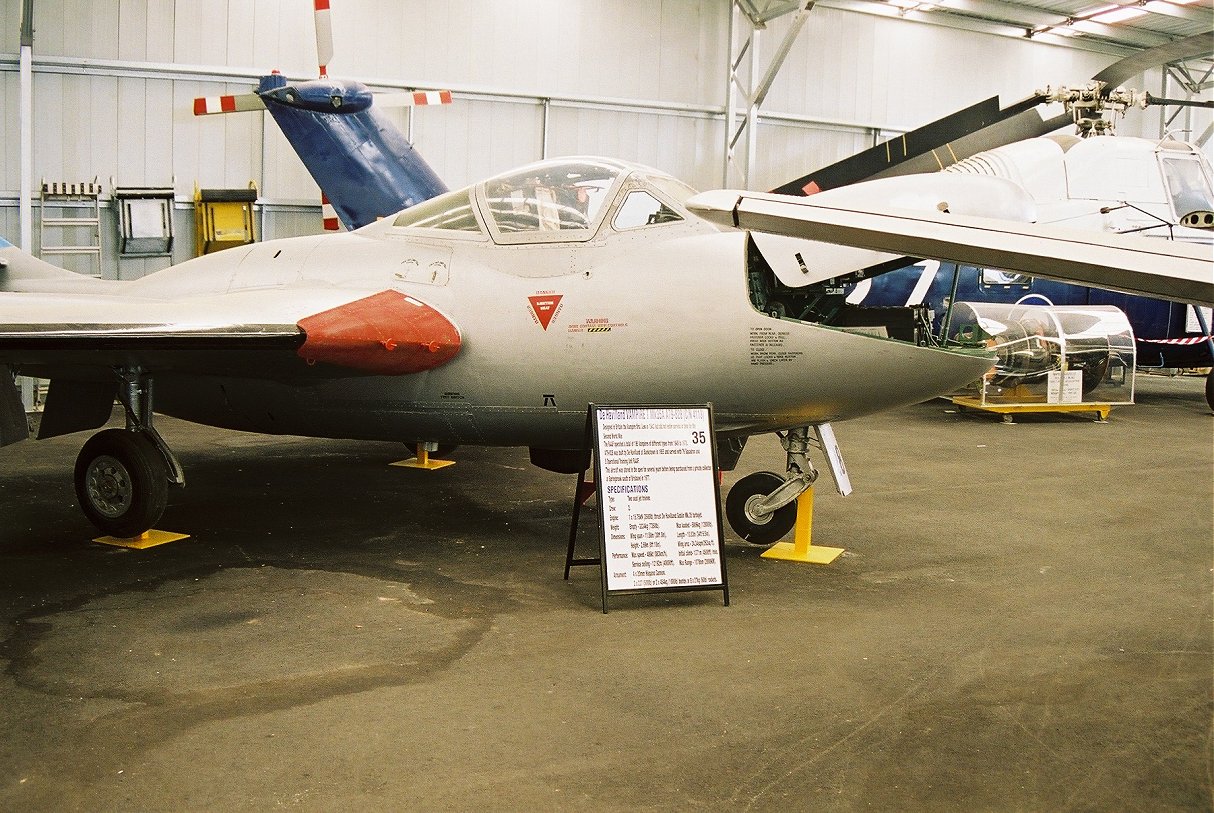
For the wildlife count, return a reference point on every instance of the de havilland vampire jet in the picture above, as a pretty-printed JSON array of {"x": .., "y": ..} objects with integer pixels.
[{"x": 495, "y": 314}]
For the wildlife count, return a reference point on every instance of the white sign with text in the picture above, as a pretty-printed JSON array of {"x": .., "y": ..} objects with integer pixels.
[{"x": 658, "y": 498}]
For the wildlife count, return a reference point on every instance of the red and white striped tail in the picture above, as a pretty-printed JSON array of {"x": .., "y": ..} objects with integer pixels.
[
  {"x": 432, "y": 97},
  {"x": 324, "y": 36},
  {"x": 329, "y": 214},
  {"x": 1186, "y": 341},
  {"x": 240, "y": 103},
  {"x": 415, "y": 99}
]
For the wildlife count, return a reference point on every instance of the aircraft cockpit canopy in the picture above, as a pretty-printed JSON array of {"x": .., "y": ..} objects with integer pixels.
[
  {"x": 549, "y": 197},
  {"x": 1188, "y": 182},
  {"x": 451, "y": 211},
  {"x": 555, "y": 201}
]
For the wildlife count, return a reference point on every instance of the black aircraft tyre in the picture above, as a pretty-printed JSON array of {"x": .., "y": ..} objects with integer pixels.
[
  {"x": 1210, "y": 389},
  {"x": 752, "y": 488},
  {"x": 122, "y": 482}
]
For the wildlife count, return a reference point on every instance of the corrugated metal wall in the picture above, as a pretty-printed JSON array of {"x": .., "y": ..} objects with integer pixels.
[{"x": 114, "y": 81}]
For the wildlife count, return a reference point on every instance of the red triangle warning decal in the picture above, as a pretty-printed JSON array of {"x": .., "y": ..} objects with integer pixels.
[{"x": 545, "y": 307}]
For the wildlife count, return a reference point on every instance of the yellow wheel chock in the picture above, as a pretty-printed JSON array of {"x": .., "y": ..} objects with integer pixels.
[
  {"x": 423, "y": 460},
  {"x": 147, "y": 539},
  {"x": 800, "y": 549}
]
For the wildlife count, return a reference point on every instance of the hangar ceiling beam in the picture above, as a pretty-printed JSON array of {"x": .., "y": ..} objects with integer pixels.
[
  {"x": 1184, "y": 77},
  {"x": 1190, "y": 14},
  {"x": 745, "y": 89},
  {"x": 1036, "y": 16},
  {"x": 1014, "y": 13},
  {"x": 760, "y": 14},
  {"x": 1136, "y": 37},
  {"x": 998, "y": 24}
]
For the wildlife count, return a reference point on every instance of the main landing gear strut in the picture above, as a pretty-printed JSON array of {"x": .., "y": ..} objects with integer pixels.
[
  {"x": 762, "y": 507},
  {"x": 122, "y": 476}
]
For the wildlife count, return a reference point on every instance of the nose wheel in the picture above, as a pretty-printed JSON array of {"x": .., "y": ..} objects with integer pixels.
[
  {"x": 762, "y": 507},
  {"x": 744, "y": 509}
]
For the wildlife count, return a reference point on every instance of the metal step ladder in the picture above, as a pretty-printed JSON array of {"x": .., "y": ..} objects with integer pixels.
[{"x": 71, "y": 210}]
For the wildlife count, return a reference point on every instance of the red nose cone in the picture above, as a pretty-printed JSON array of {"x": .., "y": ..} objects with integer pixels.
[{"x": 388, "y": 333}]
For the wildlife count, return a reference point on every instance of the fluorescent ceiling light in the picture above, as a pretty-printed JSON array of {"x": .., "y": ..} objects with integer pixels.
[{"x": 1115, "y": 14}]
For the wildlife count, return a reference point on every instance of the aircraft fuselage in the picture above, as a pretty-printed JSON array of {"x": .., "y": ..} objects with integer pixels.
[{"x": 626, "y": 320}]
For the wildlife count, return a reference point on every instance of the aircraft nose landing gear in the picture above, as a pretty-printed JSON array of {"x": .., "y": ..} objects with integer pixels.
[
  {"x": 761, "y": 507},
  {"x": 748, "y": 507}
]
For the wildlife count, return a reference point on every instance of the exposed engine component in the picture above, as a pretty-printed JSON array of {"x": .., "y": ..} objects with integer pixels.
[{"x": 1033, "y": 341}]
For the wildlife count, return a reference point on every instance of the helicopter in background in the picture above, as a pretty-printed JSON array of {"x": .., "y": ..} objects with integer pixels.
[
  {"x": 1091, "y": 180},
  {"x": 364, "y": 165}
]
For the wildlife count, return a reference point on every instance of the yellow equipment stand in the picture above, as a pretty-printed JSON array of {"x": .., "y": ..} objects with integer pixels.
[
  {"x": 800, "y": 549},
  {"x": 147, "y": 539},
  {"x": 423, "y": 461},
  {"x": 964, "y": 403},
  {"x": 223, "y": 218}
]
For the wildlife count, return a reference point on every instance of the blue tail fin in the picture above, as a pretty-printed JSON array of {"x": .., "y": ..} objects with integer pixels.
[{"x": 357, "y": 156}]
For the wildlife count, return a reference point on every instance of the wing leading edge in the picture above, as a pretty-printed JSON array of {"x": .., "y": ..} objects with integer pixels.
[
  {"x": 1131, "y": 264},
  {"x": 273, "y": 333}
]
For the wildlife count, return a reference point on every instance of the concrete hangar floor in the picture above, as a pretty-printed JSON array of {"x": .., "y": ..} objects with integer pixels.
[{"x": 1022, "y": 622}]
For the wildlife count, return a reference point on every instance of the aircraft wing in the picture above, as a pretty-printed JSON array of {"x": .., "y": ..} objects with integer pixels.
[
  {"x": 1131, "y": 264},
  {"x": 316, "y": 332}
]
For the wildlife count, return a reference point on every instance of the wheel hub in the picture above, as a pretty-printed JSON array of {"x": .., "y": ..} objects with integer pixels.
[
  {"x": 752, "y": 506},
  {"x": 109, "y": 488}
]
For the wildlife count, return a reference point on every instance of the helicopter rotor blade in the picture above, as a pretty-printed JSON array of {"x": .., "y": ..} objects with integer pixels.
[
  {"x": 415, "y": 98},
  {"x": 933, "y": 146},
  {"x": 1179, "y": 102},
  {"x": 324, "y": 36},
  {"x": 1187, "y": 48},
  {"x": 237, "y": 103},
  {"x": 982, "y": 126}
]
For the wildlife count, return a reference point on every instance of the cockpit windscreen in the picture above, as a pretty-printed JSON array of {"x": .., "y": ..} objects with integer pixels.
[
  {"x": 553, "y": 198},
  {"x": 452, "y": 211},
  {"x": 1188, "y": 185}
]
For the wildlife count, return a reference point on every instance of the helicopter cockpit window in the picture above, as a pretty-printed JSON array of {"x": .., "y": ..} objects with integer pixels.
[
  {"x": 452, "y": 211},
  {"x": 1188, "y": 185},
  {"x": 642, "y": 209},
  {"x": 564, "y": 199}
]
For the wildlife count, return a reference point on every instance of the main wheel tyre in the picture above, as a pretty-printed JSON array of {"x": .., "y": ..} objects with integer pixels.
[
  {"x": 1210, "y": 389},
  {"x": 743, "y": 497},
  {"x": 122, "y": 482}
]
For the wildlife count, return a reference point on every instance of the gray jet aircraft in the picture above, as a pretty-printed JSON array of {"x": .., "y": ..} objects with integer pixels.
[{"x": 496, "y": 314}]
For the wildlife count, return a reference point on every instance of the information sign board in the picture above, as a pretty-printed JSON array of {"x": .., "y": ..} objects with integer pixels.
[{"x": 659, "y": 502}]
